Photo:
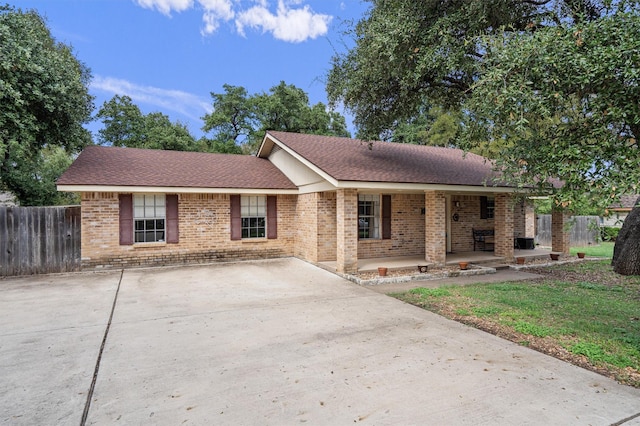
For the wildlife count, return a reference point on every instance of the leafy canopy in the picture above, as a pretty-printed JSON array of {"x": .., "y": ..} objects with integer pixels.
[
  {"x": 124, "y": 125},
  {"x": 44, "y": 102},
  {"x": 550, "y": 88},
  {"x": 239, "y": 120},
  {"x": 569, "y": 96}
]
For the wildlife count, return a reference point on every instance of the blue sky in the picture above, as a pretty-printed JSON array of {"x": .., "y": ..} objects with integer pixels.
[{"x": 169, "y": 55}]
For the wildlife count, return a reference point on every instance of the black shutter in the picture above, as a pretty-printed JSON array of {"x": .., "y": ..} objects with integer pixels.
[{"x": 386, "y": 217}]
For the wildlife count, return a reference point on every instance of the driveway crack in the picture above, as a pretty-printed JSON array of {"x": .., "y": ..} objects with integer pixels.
[
  {"x": 87, "y": 404},
  {"x": 623, "y": 421}
]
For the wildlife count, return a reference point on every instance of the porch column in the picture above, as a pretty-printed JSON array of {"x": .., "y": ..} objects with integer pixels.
[
  {"x": 347, "y": 231},
  {"x": 559, "y": 234},
  {"x": 435, "y": 227},
  {"x": 529, "y": 219},
  {"x": 503, "y": 223}
]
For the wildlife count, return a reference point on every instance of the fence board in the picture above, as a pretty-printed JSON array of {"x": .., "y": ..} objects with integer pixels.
[
  {"x": 583, "y": 231},
  {"x": 35, "y": 240}
]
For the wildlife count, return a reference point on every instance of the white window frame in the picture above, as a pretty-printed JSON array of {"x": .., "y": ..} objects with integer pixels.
[
  {"x": 369, "y": 216},
  {"x": 253, "y": 213},
  {"x": 149, "y": 218}
]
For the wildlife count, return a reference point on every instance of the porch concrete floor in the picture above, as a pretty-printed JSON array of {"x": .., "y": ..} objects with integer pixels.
[{"x": 406, "y": 262}]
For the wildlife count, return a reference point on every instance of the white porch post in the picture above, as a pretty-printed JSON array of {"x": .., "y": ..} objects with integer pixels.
[
  {"x": 347, "y": 231},
  {"x": 435, "y": 232}
]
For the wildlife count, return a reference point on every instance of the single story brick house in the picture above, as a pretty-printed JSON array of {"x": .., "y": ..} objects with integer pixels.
[
  {"x": 618, "y": 212},
  {"x": 318, "y": 198}
]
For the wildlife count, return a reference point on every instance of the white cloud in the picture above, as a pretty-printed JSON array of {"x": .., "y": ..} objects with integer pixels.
[
  {"x": 291, "y": 22},
  {"x": 288, "y": 24},
  {"x": 215, "y": 11},
  {"x": 166, "y": 6},
  {"x": 186, "y": 104}
]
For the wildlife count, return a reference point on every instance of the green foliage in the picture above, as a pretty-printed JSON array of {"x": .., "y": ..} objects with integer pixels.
[
  {"x": 239, "y": 120},
  {"x": 36, "y": 180},
  {"x": 44, "y": 102},
  {"x": 525, "y": 327},
  {"x": 430, "y": 292},
  {"x": 569, "y": 95},
  {"x": 598, "y": 355},
  {"x": 609, "y": 233},
  {"x": 232, "y": 120},
  {"x": 484, "y": 311},
  {"x": 550, "y": 89},
  {"x": 407, "y": 52},
  {"x": 124, "y": 125},
  {"x": 434, "y": 127}
]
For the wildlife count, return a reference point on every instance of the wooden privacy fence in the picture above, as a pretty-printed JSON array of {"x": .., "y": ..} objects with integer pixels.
[
  {"x": 38, "y": 240},
  {"x": 584, "y": 230}
]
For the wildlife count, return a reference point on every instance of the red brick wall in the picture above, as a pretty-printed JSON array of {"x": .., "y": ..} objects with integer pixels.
[
  {"x": 327, "y": 226},
  {"x": 407, "y": 230},
  {"x": 204, "y": 222},
  {"x": 468, "y": 218}
]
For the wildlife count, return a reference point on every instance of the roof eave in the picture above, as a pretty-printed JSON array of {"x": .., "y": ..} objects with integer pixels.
[
  {"x": 420, "y": 187},
  {"x": 174, "y": 189}
]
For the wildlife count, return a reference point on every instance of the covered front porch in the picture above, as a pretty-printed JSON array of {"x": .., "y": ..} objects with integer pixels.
[
  {"x": 410, "y": 262},
  {"x": 405, "y": 228}
]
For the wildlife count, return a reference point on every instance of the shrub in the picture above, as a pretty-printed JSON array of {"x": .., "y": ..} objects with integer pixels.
[{"x": 609, "y": 233}]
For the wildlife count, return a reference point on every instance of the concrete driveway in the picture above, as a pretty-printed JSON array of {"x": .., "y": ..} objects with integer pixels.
[{"x": 274, "y": 342}]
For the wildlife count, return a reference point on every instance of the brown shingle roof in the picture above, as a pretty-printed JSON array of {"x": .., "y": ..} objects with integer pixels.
[
  {"x": 352, "y": 160},
  {"x": 626, "y": 202},
  {"x": 109, "y": 166}
]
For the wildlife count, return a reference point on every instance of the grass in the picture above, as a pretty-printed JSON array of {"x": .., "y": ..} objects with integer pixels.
[
  {"x": 600, "y": 250},
  {"x": 582, "y": 311}
]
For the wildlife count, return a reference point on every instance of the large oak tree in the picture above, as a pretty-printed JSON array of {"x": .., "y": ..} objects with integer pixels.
[
  {"x": 44, "y": 103},
  {"x": 239, "y": 120},
  {"x": 126, "y": 126},
  {"x": 550, "y": 87}
]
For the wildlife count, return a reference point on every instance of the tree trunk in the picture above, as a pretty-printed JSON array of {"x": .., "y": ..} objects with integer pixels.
[{"x": 626, "y": 253}]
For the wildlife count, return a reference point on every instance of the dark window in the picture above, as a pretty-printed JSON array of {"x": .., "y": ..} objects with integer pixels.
[
  {"x": 487, "y": 207},
  {"x": 368, "y": 216}
]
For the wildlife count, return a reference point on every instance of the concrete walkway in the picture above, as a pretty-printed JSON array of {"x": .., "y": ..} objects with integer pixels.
[
  {"x": 501, "y": 275},
  {"x": 274, "y": 342}
]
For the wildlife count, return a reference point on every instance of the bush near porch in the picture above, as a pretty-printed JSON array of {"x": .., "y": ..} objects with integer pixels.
[{"x": 583, "y": 313}]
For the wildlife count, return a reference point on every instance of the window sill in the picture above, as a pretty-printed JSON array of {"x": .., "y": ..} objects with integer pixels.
[
  {"x": 147, "y": 245},
  {"x": 259, "y": 240}
]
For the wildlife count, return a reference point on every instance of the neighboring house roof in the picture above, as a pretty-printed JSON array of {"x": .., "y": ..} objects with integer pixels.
[
  {"x": 344, "y": 159},
  {"x": 99, "y": 166},
  {"x": 625, "y": 203}
]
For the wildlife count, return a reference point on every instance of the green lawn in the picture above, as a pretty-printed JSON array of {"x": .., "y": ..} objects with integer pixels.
[
  {"x": 581, "y": 312},
  {"x": 600, "y": 250}
]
